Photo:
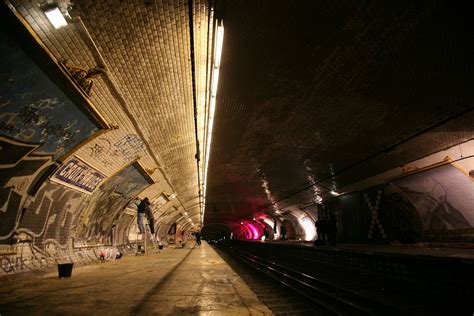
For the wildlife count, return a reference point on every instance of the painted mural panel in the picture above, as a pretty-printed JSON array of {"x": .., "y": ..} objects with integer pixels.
[
  {"x": 39, "y": 124},
  {"x": 443, "y": 197},
  {"x": 109, "y": 201},
  {"x": 77, "y": 174},
  {"x": 34, "y": 109},
  {"x": 20, "y": 170},
  {"x": 439, "y": 200},
  {"x": 50, "y": 216},
  {"x": 43, "y": 227},
  {"x": 123, "y": 227}
]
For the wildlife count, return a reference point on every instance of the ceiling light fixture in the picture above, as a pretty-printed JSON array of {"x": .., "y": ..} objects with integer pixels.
[
  {"x": 55, "y": 16},
  {"x": 334, "y": 193},
  {"x": 172, "y": 196},
  {"x": 218, "y": 43}
]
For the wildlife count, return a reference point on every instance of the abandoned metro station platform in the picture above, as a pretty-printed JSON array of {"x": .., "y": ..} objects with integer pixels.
[
  {"x": 199, "y": 280},
  {"x": 322, "y": 150}
]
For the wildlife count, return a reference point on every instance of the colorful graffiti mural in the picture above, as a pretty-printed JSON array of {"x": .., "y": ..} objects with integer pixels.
[
  {"x": 20, "y": 170},
  {"x": 42, "y": 229},
  {"x": 108, "y": 203},
  {"x": 39, "y": 125},
  {"x": 123, "y": 227},
  {"x": 442, "y": 197},
  {"x": 34, "y": 109},
  {"x": 49, "y": 217},
  {"x": 436, "y": 204}
]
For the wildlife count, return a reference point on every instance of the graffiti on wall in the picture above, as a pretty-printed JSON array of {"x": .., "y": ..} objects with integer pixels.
[
  {"x": 43, "y": 228},
  {"x": 375, "y": 223},
  {"x": 39, "y": 125},
  {"x": 437, "y": 200},
  {"x": 123, "y": 227},
  {"x": 20, "y": 170},
  {"x": 436, "y": 204},
  {"x": 29, "y": 259},
  {"x": 49, "y": 217},
  {"x": 79, "y": 175},
  {"x": 128, "y": 148},
  {"x": 34, "y": 109},
  {"x": 109, "y": 201},
  {"x": 443, "y": 197}
]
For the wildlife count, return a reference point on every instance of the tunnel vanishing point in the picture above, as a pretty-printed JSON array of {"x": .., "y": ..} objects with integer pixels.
[{"x": 247, "y": 120}]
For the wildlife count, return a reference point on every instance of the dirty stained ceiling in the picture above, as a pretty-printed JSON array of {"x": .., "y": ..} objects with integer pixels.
[{"x": 326, "y": 92}]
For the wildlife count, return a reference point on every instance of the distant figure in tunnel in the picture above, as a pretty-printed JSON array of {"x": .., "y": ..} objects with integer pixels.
[
  {"x": 321, "y": 231},
  {"x": 141, "y": 214},
  {"x": 197, "y": 234},
  {"x": 282, "y": 232},
  {"x": 266, "y": 233}
]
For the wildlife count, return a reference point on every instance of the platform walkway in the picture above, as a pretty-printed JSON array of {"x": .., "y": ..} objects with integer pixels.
[{"x": 174, "y": 282}]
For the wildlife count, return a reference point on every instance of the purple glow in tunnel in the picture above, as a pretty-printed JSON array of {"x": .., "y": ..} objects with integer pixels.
[
  {"x": 249, "y": 230},
  {"x": 254, "y": 231}
]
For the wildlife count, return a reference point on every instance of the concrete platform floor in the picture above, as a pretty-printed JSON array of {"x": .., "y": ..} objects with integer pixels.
[{"x": 174, "y": 282}]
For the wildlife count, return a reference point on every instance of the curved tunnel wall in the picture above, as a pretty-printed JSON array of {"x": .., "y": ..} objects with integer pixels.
[
  {"x": 428, "y": 200},
  {"x": 67, "y": 181},
  {"x": 66, "y": 178}
]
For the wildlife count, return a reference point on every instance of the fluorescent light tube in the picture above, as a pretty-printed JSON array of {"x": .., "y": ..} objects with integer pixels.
[
  {"x": 55, "y": 17},
  {"x": 219, "y": 43}
]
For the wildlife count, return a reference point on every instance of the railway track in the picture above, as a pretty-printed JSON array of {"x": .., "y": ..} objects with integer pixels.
[
  {"x": 276, "y": 296},
  {"x": 330, "y": 299}
]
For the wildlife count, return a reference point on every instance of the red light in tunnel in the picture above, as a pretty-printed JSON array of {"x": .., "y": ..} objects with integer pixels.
[
  {"x": 248, "y": 230},
  {"x": 254, "y": 231}
]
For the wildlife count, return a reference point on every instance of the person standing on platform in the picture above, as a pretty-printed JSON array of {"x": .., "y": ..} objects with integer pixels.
[
  {"x": 141, "y": 214},
  {"x": 197, "y": 234},
  {"x": 266, "y": 233},
  {"x": 151, "y": 218},
  {"x": 282, "y": 232},
  {"x": 324, "y": 230},
  {"x": 319, "y": 230}
]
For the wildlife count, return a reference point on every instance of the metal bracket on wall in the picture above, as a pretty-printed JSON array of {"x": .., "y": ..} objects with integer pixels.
[{"x": 82, "y": 77}]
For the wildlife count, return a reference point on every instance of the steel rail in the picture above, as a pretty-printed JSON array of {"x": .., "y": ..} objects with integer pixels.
[{"x": 332, "y": 298}]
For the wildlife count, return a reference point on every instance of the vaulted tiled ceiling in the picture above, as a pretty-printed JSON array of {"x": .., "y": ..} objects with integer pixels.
[
  {"x": 310, "y": 91},
  {"x": 332, "y": 92},
  {"x": 145, "y": 49}
]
